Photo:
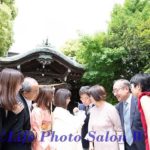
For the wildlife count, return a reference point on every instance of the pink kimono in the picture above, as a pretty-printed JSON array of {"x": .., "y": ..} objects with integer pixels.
[{"x": 40, "y": 121}]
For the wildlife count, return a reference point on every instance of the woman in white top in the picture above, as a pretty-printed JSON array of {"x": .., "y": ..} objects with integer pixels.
[{"x": 66, "y": 127}]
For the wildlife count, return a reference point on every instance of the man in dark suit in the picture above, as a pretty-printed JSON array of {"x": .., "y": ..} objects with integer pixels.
[
  {"x": 20, "y": 135},
  {"x": 86, "y": 106},
  {"x": 129, "y": 115}
]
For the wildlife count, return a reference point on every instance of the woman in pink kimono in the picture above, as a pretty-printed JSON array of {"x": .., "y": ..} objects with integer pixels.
[
  {"x": 105, "y": 129},
  {"x": 41, "y": 118}
]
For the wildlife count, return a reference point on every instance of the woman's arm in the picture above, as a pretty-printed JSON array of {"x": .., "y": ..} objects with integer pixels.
[
  {"x": 115, "y": 119},
  {"x": 145, "y": 103},
  {"x": 36, "y": 121}
]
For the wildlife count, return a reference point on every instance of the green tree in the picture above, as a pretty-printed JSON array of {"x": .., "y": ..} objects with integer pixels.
[
  {"x": 120, "y": 52},
  {"x": 7, "y": 15},
  {"x": 71, "y": 47},
  {"x": 130, "y": 28},
  {"x": 102, "y": 64}
]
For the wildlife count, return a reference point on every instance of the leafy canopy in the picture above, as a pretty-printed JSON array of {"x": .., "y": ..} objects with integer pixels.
[{"x": 7, "y": 15}]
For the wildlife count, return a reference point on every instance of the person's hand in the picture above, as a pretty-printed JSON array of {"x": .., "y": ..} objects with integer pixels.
[
  {"x": 75, "y": 110},
  {"x": 35, "y": 133},
  {"x": 91, "y": 147},
  {"x": 18, "y": 108}
]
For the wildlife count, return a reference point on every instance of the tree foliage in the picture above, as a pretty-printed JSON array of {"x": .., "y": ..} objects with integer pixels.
[
  {"x": 122, "y": 51},
  {"x": 7, "y": 15},
  {"x": 130, "y": 28},
  {"x": 70, "y": 48},
  {"x": 101, "y": 63}
]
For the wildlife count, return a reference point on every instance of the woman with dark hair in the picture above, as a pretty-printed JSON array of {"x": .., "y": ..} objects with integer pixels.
[
  {"x": 104, "y": 122},
  {"x": 140, "y": 87},
  {"x": 10, "y": 84},
  {"x": 10, "y": 106},
  {"x": 41, "y": 117},
  {"x": 65, "y": 124}
]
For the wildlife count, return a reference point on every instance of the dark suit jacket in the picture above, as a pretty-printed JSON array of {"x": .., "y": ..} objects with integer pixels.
[
  {"x": 136, "y": 125},
  {"x": 18, "y": 135},
  {"x": 84, "y": 131},
  {"x": 6, "y": 124}
]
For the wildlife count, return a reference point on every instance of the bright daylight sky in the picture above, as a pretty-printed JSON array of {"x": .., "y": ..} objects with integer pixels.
[{"x": 58, "y": 20}]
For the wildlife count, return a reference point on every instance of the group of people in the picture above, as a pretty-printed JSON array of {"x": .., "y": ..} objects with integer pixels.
[
  {"x": 26, "y": 118},
  {"x": 28, "y": 122},
  {"x": 131, "y": 120}
]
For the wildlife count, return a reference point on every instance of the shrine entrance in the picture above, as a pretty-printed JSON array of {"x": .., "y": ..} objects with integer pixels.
[{"x": 48, "y": 67}]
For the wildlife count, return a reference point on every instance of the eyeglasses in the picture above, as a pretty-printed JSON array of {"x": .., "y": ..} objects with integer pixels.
[{"x": 116, "y": 90}]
